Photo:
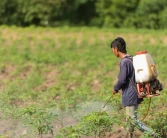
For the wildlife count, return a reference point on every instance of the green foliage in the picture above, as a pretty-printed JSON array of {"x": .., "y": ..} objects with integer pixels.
[
  {"x": 39, "y": 119},
  {"x": 163, "y": 19},
  {"x": 114, "y": 13},
  {"x": 46, "y": 68},
  {"x": 94, "y": 124},
  {"x": 160, "y": 123},
  {"x": 8, "y": 12},
  {"x": 38, "y": 12},
  {"x": 153, "y": 9},
  {"x": 101, "y": 13}
]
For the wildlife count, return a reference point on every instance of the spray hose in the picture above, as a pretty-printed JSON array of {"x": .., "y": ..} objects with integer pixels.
[
  {"x": 147, "y": 109},
  {"x": 149, "y": 100}
]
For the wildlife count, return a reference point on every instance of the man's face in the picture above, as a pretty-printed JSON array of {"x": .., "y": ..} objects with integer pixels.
[{"x": 115, "y": 51}]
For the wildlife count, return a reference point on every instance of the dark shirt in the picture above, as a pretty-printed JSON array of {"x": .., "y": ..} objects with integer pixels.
[{"x": 129, "y": 94}]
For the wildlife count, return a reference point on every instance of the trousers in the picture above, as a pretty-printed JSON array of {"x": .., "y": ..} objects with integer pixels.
[{"x": 132, "y": 121}]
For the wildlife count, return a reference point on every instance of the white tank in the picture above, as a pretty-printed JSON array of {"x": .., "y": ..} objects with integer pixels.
[{"x": 145, "y": 69}]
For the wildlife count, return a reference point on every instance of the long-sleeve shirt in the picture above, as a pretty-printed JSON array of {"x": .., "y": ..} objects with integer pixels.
[{"x": 129, "y": 94}]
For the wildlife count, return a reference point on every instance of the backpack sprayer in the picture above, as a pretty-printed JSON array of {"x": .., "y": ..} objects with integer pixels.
[{"x": 146, "y": 75}]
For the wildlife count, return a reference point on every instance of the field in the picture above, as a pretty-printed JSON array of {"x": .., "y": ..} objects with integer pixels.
[{"x": 53, "y": 78}]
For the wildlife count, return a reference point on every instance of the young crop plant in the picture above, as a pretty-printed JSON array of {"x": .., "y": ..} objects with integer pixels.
[
  {"x": 38, "y": 119},
  {"x": 66, "y": 67},
  {"x": 160, "y": 123},
  {"x": 94, "y": 124}
]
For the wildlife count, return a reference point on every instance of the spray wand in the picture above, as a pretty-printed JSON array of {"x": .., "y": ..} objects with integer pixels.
[{"x": 110, "y": 98}]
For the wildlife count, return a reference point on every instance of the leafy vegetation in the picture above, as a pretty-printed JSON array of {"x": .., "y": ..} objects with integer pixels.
[
  {"x": 96, "y": 123},
  {"x": 99, "y": 13},
  {"x": 45, "y": 69}
]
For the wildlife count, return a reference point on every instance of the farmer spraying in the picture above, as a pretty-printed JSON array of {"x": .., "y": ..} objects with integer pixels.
[{"x": 130, "y": 99}]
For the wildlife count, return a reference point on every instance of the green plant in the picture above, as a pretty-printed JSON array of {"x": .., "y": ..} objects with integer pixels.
[
  {"x": 159, "y": 124},
  {"x": 39, "y": 119},
  {"x": 63, "y": 67},
  {"x": 94, "y": 124}
]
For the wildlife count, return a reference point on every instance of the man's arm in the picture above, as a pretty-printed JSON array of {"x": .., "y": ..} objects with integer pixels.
[{"x": 122, "y": 78}]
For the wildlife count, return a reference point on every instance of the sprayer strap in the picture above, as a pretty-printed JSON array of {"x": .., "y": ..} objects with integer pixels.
[{"x": 133, "y": 85}]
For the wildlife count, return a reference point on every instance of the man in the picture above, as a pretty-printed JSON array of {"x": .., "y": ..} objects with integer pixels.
[{"x": 126, "y": 79}]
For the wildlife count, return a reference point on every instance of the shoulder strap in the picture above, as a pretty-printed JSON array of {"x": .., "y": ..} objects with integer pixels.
[
  {"x": 133, "y": 85},
  {"x": 129, "y": 57}
]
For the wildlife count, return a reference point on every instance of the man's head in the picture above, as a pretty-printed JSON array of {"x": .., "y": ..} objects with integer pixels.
[{"x": 118, "y": 46}]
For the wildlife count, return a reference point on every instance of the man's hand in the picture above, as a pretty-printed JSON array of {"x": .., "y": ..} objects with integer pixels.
[{"x": 114, "y": 92}]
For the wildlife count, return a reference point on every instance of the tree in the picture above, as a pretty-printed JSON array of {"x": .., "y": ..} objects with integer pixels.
[
  {"x": 8, "y": 12},
  {"x": 148, "y": 14},
  {"x": 113, "y": 13},
  {"x": 35, "y": 12}
]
